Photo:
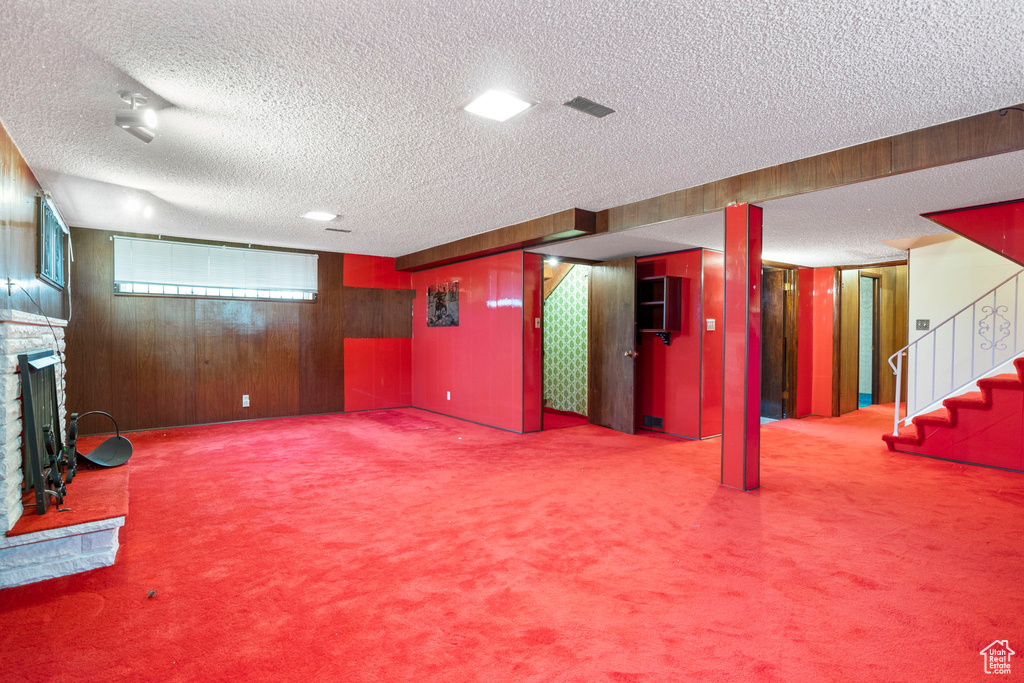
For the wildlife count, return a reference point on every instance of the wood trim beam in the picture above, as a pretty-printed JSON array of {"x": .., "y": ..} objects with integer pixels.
[
  {"x": 557, "y": 226},
  {"x": 947, "y": 143}
]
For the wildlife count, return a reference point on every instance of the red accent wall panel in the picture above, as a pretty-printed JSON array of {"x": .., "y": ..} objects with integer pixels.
[
  {"x": 378, "y": 373},
  {"x": 668, "y": 377},
  {"x": 805, "y": 342},
  {"x": 1000, "y": 227},
  {"x": 533, "y": 371},
  {"x": 711, "y": 354},
  {"x": 821, "y": 362},
  {"x": 374, "y": 271},
  {"x": 741, "y": 361},
  {"x": 481, "y": 360}
]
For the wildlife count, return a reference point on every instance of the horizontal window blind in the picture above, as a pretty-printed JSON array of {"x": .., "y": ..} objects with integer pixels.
[{"x": 181, "y": 264}]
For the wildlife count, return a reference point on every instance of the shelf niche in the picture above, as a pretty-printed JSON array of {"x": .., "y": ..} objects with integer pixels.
[{"x": 659, "y": 305}]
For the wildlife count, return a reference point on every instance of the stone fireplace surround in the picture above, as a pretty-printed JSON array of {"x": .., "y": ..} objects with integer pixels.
[{"x": 29, "y": 557}]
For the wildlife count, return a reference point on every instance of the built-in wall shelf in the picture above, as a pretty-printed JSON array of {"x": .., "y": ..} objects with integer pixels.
[{"x": 659, "y": 305}]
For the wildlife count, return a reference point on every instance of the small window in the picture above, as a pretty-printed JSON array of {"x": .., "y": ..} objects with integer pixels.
[
  {"x": 170, "y": 268},
  {"x": 50, "y": 231}
]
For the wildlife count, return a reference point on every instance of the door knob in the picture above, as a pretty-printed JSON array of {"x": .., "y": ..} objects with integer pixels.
[{"x": 631, "y": 354}]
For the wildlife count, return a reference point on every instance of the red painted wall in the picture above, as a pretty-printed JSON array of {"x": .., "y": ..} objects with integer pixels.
[
  {"x": 374, "y": 271},
  {"x": 668, "y": 377},
  {"x": 681, "y": 383},
  {"x": 378, "y": 373},
  {"x": 481, "y": 361},
  {"x": 805, "y": 341},
  {"x": 1000, "y": 227},
  {"x": 711, "y": 391},
  {"x": 824, "y": 313}
]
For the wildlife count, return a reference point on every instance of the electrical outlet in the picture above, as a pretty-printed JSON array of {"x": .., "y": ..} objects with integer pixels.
[
  {"x": 245, "y": 400},
  {"x": 449, "y": 395},
  {"x": 924, "y": 324},
  {"x": 711, "y": 324}
]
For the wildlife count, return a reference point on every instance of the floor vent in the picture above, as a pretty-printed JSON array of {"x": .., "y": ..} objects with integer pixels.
[
  {"x": 589, "y": 107},
  {"x": 653, "y": 422}
]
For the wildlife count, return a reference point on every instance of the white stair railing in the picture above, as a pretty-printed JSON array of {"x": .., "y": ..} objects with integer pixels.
[{"x": 962, "y": 349}]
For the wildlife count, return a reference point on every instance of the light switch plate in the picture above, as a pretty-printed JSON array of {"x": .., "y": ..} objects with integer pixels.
[
  {"x": 536, "y": 323},
  {"x": 711, "y": 324},
  {"x": 245, "y": 400}
]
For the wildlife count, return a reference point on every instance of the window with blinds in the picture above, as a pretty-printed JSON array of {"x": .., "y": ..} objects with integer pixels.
[
  {"x": 50, "y": 236},
  {"x": 169, "y": 268}
]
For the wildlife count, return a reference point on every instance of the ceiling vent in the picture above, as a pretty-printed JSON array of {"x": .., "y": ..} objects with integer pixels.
[{"x": 589, "y": 107}]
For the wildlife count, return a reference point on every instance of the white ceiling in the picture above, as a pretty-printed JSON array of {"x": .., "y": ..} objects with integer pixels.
[
  {"x": 841, "y": 226},
  {"x": 272, "y": 108}
]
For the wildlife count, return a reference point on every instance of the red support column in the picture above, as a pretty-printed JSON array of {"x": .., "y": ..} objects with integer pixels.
[{"x": 741, "y": 339}]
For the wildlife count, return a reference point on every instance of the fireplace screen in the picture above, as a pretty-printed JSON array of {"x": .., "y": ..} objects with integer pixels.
[{"x": 47, "y": 464}]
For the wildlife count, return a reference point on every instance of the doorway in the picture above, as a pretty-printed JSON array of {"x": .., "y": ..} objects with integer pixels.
[
  {"x": 565, "y": 343},
  {"x": 868, "y": 362},
  {"x": 871, "y": 325},
  {"x": 778, "y": 343}
]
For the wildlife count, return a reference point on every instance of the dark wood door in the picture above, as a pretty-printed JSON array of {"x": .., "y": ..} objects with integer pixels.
[
  {"x": 773, "y": 343},
  {"x": 612, "y": 344}
]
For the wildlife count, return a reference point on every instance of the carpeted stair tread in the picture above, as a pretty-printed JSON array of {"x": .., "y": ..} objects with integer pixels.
[
  {"x": 938, "y": 418},
  {"x": 1002, "y": 382},
  {"x": 974, "y": 400}
]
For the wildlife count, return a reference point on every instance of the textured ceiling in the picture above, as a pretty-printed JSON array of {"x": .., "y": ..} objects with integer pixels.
[
  {"x": 842, "y": 226},
  {"x": 273, "y": 108}
]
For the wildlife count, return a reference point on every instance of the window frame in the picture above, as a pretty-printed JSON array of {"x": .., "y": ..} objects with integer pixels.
[
  {"x": 238, "y": 293},
  {"x": 44, "y": 207}
]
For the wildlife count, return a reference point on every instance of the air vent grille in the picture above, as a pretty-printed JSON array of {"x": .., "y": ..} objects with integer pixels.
[
  {"x": 336, "y": 230},
  {"x": 653, "y": 422},
  {"x": 589, "y": 107}
]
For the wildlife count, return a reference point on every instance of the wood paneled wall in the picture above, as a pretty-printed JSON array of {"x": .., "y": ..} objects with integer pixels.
[
  {"x": 18, "y": 188},
  {"x": 168, "y": 361},
  {"x": 893, "y": 311}
]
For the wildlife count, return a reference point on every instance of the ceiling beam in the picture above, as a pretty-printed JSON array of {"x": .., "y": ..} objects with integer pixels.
[
  {"x": 557, "y": 226},
  {"x": 947, "y": 143}
]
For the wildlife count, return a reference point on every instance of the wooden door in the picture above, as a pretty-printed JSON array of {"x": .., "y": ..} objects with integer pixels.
[
  {"x": 773, "y": 350},
  {"x": 612, "y": 344},
  {"x": 849, "y": 340}
]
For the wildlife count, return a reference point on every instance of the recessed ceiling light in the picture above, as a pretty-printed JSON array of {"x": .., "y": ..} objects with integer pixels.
[
  {"x": 552, "y": 262},
  {"x": 498, "y": 105},
  {"x": 319, "y": 216}
]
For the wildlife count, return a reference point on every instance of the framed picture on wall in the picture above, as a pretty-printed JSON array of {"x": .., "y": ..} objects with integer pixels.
[{"x": 443, "y": 304}]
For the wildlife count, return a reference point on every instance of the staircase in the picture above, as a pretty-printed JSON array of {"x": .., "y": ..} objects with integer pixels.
[{"x": 985, "y": 427}]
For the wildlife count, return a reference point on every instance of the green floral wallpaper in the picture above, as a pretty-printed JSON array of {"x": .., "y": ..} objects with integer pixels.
[{"x": 565, "y": 343}]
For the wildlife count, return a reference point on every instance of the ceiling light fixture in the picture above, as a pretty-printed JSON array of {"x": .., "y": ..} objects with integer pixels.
[
  {"x": 139, "y": 120},
  {"x": 319, "y": 216},
  {"x": 498, "y": 105},
  {"x": 552, "y": 261}
]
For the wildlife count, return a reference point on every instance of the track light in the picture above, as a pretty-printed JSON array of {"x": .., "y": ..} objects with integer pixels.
[{"x": 140, "y": 122}]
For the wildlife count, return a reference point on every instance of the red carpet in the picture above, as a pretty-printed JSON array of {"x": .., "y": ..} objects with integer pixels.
[
  {"x": 405, "y": 546},
  {"x": 560, "y": 419}
]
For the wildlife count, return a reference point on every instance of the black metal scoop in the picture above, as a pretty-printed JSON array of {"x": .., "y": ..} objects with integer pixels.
[{"x": 113, "y": 452}]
